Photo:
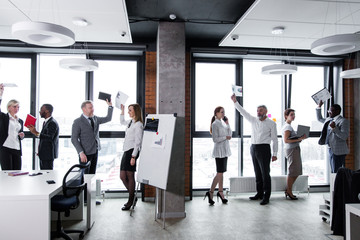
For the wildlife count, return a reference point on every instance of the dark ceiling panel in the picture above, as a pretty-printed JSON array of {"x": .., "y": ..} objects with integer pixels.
[{"x": 204, "y": 19}]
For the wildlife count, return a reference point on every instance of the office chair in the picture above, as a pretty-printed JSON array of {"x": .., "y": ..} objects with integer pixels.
[{"x": 69, "y": 200}]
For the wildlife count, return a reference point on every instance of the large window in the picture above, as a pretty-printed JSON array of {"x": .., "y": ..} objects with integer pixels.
[
  {"x": 260, "y": 89},
  {"x": 18, "y": 71},
  {"x": 212, "y": 88},
  {"x": 307, "y": 81}
]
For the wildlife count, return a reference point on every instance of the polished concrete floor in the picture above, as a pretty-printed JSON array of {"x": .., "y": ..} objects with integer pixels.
[{"x": 239, "y": 219}]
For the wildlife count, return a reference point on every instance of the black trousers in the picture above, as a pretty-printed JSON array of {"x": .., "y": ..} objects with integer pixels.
[
  {"x": 261, "y": 157},
  {"x": 93, "y": 158},
  {"x": 47, "y": 164},
  {"x": 10, "y": 159}
]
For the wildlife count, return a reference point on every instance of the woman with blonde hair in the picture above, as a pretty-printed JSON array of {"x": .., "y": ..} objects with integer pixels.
[
  {"x": 292, "y": 152},
  {"x": 132, "y": 144},
  {"x": 11, "y": 132},
  {"x": 221, "y": 134}
]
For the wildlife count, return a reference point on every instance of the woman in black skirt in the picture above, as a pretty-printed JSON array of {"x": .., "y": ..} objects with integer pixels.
[
  {"x": 132, "y": 144},
  {"x": 221, "y": 134}
]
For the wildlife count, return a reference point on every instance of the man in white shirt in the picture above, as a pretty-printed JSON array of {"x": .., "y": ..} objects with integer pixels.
[{"x": 263, "y": 131}]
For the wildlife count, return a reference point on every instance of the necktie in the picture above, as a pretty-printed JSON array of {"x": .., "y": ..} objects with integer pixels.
[
  {"x": 329, "y": 129},
  {"x": 92, "y": 122}
]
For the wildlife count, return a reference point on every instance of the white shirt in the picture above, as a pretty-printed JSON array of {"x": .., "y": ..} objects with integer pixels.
[
  {"x": 12, "y": 141},
  {"x": 288, "y": 127},
  {"x": 262, "y": 132},
  {"x": 133, "y": 135},
  {"x": 221, "y": 145}
]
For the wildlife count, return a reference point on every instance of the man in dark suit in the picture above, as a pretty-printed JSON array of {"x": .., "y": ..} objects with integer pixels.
[
  {"x": 85, "y": 134},
  {"x": 49, "y": 138},
  {"x": 334, "y": 134}
]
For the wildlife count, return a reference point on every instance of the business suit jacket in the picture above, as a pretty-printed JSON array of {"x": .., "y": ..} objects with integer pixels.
[
  {"x": 83, "y": 137},
  {"x": 338, "y": 136},
  {"x": 49, "y": 141},
  {"x": 4, "y": 128}
]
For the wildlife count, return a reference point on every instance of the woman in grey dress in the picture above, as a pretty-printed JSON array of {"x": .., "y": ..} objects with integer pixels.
[
  {"x": 221, "y": 134},
  {"x": 292, "y": 152}
]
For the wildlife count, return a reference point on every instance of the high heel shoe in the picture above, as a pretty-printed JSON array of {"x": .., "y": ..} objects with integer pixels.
[
  {"x": 293, "y": 197},
  {"x": 218, "y": 195},
  {"x": 207, "y": 194}
]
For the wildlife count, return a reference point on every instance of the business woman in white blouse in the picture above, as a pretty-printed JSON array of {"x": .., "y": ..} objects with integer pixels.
[
  {"x": 132, "y": 144},
  {"x": 221, "y": 134}
]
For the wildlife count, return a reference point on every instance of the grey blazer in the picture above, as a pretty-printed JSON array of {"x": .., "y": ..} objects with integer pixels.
[
  {"x": 83, "y": 137},
  {"x": 337, "y": 137}
]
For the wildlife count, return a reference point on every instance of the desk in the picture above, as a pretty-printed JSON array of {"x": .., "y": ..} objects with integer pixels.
[
  {"x": 352, "y": 221},
  {"x": 25, "y": 204}
]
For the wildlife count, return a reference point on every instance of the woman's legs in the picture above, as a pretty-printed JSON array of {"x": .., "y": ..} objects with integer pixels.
[
  {"x": 290, "y": 182},
  {"x": 131, "y": 187},
  {"x": 218, "y": 179}
]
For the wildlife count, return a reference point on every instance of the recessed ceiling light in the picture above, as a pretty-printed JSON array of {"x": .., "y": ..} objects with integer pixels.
[
  {"x": 278, "y": 30},
  {"x": 80, "y": 22},
  {"x": 172, "y": 16}
]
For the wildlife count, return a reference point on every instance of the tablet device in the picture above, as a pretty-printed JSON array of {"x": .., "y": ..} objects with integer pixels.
[
  {"x": 301, "y": 130},
  {"x": 104, "y": 96}
]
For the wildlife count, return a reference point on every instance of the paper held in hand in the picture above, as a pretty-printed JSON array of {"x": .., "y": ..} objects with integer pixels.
[
  {"x": 323, "y": 95},
  {"x": 120, "y": 99},
  {"x": 237, "y": 90},
  {"x": 9, "y": 85}
]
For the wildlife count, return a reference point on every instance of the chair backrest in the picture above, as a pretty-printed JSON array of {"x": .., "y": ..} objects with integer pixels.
[{"x": 76, "y": 185}]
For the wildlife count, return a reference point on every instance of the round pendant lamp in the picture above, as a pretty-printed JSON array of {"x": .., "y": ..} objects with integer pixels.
[
  {"x": 79, "y": 64},
  {"x": 352, "y": 73},
  {"x": 43, "y": 34},
  {"x": 336, "y": 44},
  {"x": 280, "y": 69}
]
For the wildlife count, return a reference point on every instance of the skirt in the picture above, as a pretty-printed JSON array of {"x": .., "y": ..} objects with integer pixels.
[
  {"x": 221, "y": 164},
  {"x": 125, "y": 161},
  {"x": 293, "y": 156}
]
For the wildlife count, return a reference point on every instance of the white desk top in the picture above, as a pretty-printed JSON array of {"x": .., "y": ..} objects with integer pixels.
[{"x": 31, "y": 187}]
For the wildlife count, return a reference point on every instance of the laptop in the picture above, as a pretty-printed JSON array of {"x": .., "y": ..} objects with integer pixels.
[{"x": 301, "y": 130}]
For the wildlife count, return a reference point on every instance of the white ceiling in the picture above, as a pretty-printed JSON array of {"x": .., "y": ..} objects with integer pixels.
[
  {"x": 304, "y": 21},
  {"x": 107, "y": 18}
]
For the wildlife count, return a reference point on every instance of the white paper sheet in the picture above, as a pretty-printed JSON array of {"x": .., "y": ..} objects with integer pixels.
[
  {"x": 121, "y": 98},
  {"x": 237, "y": 90}
]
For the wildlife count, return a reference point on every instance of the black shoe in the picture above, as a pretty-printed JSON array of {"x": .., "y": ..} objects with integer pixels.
[
  {"x": 98, "y": 203},
  {"x": 256, "y": 197},
  {"x": 224, "y": 200},
  {"x": 291, "y": 196},
  {"x": 207, "y": 194},
  {"x": 126, "y": 208},
  {"x": 264, "y": 201}
]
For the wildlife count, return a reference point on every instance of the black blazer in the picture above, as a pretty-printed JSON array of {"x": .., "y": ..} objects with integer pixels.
[
  {"x": 49, "y": 141},
  {"x": 4, "y": 128}
]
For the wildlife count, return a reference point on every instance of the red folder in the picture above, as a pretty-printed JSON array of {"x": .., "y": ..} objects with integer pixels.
[{"x": 30, "y": 120}]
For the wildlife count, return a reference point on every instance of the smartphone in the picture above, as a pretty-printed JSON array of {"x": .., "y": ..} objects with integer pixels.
[
  {"x": 35, "y": 174},
  {"x": 225, "y": 118},
  {"x": 50, "y": 181}
]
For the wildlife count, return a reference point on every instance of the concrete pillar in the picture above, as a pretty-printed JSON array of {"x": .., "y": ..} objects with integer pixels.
[{"x": 171, "y": 99}]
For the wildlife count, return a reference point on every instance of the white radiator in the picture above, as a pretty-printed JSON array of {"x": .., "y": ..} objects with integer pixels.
[{"x": 278, "y": 183}]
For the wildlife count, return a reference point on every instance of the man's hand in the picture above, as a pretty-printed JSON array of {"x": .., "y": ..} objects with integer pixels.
[
  {"x": 320, "y": 103},
  {"x": 274, "y": 158},
  {"x": 108, "y": 103},
  {"x": 233, "y": 97},
  {"x": 33, "y": 130},
  {"x": 83, "y": 157},
  {"x": 332, "y": 124}
]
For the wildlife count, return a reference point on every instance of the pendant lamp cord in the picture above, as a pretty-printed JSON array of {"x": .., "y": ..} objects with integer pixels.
[{"x": 19, "y": 10}]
